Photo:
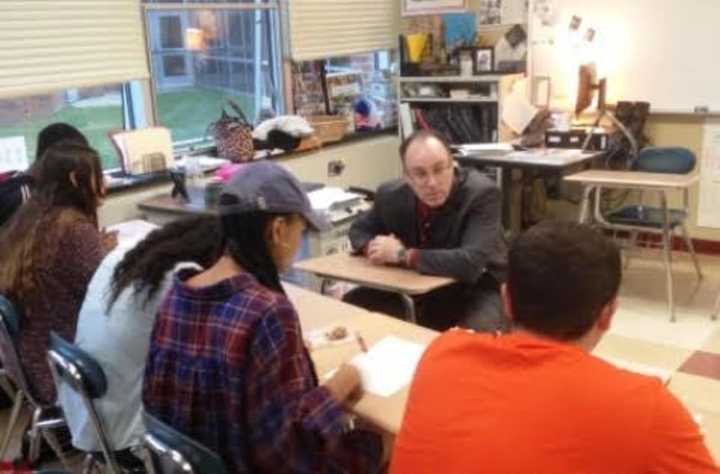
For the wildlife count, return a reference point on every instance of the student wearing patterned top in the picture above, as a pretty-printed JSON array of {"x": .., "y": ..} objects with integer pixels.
[
  {"x": 49, "y": 251},
  {"x": 227, "y": 365},
  {"x": 117, "y": 317}
]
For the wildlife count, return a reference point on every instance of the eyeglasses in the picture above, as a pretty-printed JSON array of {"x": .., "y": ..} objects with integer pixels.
[{"x": 422, "y": 176}]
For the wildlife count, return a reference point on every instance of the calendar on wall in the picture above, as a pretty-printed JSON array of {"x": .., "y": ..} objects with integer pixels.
[{"x": 13, "y": 154}]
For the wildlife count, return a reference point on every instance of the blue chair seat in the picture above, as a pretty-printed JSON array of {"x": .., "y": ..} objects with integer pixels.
[{"x": 645, "y": 216}]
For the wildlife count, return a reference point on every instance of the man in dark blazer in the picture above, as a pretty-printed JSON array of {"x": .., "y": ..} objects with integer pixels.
[{"x": 438, "y": 220}]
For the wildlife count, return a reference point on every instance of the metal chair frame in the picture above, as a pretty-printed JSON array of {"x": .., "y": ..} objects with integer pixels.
[
  {"x": 666, "y": 232},
  {"x": 187, "y": 455},
  {"x": 67, "y": 370},
  {"x": 24, "y": 394}
]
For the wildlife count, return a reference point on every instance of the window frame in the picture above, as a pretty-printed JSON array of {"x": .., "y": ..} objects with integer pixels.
[{"x": 276, "y": 71}]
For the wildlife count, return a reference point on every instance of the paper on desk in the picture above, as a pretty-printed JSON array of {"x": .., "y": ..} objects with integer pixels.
[
  {"x": 389, "y": 365},
  {"x": 131, "y": 232},
  {"x": 486, "y": 147},
  {"x": 643, "y": 369},
  {"x": 330, "y": 197}
]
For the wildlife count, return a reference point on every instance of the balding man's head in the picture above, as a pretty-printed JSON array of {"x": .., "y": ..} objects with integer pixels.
[
  {"x": 424, "y": 137},
  {"x": 428, "y": 165}
]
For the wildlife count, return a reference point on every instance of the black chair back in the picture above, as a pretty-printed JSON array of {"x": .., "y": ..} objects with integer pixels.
[
  {"x": 171, "y": 452},
  {"x": 10, "y": 320},
  {"x": 77, "y": 368},
  {"x": 84, "y": 375}
]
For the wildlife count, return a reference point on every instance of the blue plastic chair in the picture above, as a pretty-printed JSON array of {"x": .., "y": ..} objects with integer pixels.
[
  {"x": 661, "y": 220},
  {"x": 171, "y": 452},
  {"x": 44, "y": 418},
  {"x": 83, "y": 374}
]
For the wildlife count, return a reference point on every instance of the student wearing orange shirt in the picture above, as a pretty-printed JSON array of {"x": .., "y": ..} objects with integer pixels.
[{"x": 536, "y": 400}]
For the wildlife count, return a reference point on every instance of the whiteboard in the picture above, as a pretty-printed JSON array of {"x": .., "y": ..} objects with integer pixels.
[{"x": 661, "y": 51}]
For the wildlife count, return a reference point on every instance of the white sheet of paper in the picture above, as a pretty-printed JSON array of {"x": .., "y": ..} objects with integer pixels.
[
  {"x": 131, "y": 232},
  {"x": 643, "y": 369},
  {"x": 709, "y": 200},
  {"x": 325, "y": 198},
  {"x": 517, "y": 111},
  {"x": 389, "y": 365},
  {"x": 486, "y": 147},
  {"x": 13, "y": 154}
]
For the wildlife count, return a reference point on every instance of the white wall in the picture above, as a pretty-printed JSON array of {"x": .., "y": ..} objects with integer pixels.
[{"x": 367, "y": 163}]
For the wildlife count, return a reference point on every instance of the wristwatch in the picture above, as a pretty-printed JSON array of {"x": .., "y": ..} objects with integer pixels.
[{"x": 402, "y": 256}]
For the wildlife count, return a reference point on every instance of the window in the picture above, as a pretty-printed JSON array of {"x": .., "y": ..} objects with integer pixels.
[
  {"x": 358, "y": 86},
  {"x": 92, "y": 110},
  {"x": 234, "y": 54}
]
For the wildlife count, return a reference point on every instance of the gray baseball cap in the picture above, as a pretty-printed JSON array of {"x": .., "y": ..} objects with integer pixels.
[{"x": 268, "y": 187}]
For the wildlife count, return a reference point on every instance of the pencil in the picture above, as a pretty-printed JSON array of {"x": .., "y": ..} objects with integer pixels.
[{"x": 361, "y": 342}]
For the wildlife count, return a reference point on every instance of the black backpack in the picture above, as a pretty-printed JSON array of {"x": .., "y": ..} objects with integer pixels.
[{"x": 13, "y": 192}]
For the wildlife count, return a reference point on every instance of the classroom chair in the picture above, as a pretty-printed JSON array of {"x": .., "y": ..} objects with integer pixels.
[
  {"x": 640, "y": 218},
  {"x": 170, "y": 452},
  {"x": 77, "y": 369},
  {"x": 45, "y": 418}
]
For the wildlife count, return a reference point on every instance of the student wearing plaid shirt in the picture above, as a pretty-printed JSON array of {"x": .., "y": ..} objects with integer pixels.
[{"x": 227, "y": 365}]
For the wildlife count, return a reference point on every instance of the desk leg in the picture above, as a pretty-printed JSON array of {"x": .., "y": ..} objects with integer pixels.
[
  {"x": 324, "y": 283},
  {"x": 667, "y": 254},
  {"x": 409, "y": 307},
  {"x": 585, "y": 204}
]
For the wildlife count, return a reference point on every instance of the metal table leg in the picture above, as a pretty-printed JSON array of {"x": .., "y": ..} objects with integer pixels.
[
  {"x": 409, "y": 307},
  {"x": 667, "y": 254},
  {"x": 585, "y": 204}
]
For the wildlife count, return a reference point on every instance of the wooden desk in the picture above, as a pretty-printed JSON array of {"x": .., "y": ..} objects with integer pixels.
[
  {"x": 554, "y": 160},
  {"x": 633, "y": 179},
  {"x": 317, "y": 311},
  {"x": 406, "y": 283},
  {"x": 594, "y": 180}
]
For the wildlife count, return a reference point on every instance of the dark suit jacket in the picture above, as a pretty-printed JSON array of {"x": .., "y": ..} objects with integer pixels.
[{"x": 465, "y": 236}]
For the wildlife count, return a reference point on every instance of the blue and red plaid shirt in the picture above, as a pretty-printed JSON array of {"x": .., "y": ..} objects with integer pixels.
[{"x": 227, "y": 367}]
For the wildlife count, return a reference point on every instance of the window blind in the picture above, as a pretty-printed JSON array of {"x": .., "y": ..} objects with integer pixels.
[
  {"x": 50, "y": 45},
  {"x": 327, "y": 28}
]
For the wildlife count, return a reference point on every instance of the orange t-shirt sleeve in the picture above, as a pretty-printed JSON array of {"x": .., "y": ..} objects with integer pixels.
[{"x": 677, "y": 444}]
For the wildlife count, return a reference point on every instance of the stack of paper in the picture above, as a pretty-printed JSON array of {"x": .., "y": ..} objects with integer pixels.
[
  {"x": 329, "y": 198},
  {"x": 389, "y": 365}
]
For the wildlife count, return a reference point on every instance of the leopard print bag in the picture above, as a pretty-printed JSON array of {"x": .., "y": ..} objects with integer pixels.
[{"x": 233, "y": 135}]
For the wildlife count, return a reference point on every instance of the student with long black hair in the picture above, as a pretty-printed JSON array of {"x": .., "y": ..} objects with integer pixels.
[{"x": 227, "y": 365}]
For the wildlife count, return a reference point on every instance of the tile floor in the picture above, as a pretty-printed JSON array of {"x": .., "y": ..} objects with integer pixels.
[{"x": 687, "y": 350}]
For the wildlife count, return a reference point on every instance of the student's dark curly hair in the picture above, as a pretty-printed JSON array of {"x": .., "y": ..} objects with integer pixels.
[
  {"x": 195, "y": 239},
  {"x": 246, "y": 243}
]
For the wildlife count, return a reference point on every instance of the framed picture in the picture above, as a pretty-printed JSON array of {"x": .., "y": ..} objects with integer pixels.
[
  {"x": 466, "y": 61},
  {"x": 426, "y": 7},
  {"x": 484, "y": 60}
]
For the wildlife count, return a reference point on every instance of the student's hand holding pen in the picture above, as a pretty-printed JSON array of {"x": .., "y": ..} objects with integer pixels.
[{"x": 344, "y": 383}]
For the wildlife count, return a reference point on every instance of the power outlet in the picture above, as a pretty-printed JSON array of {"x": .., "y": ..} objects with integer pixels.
[{"x": 335, "y": 168}]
